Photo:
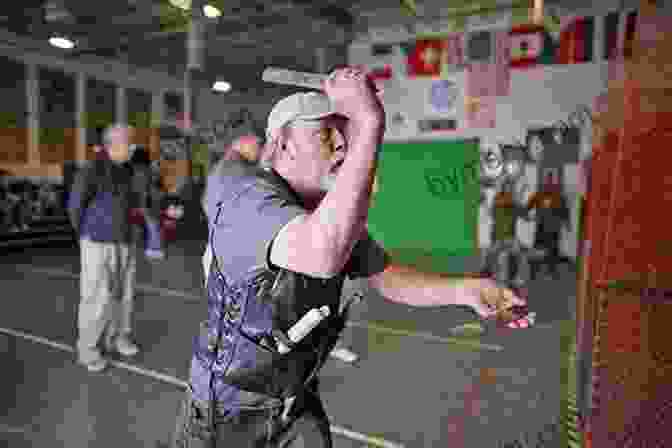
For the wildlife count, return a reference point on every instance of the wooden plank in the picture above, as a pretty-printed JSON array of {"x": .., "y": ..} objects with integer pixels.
[{"x": 26, "y": 170}]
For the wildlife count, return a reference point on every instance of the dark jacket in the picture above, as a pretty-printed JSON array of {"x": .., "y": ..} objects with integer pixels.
[{"x": 101, "y": 198}]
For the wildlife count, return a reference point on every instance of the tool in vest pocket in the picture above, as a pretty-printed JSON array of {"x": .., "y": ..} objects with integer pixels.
[{"x": 304, "y": 326}]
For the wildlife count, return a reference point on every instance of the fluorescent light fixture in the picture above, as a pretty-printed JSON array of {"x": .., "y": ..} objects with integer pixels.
[
  {"x": 182, "y": 4},
  {"x": 61, "y": 42},
  {"x": 221, "y": 86},
  {"x": 211, "y": 12}
]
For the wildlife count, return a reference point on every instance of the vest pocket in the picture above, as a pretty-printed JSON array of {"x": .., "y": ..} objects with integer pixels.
[{"x": 260, "y": 370}]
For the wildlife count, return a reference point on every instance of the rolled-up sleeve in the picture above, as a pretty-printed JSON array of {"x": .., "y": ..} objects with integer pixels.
[{"x": 368, "y": 258}]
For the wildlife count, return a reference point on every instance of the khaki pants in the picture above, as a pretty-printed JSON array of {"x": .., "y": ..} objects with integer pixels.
[
  {"x": 505, "y": 254},
  {"x": 107, "y": 287}
]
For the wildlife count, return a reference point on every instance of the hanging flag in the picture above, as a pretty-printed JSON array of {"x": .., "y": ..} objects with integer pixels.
[
  {"x": 502, "y": 63},
  {"x": 479, "y": 80},
  {"x": 531, "y": 45},
  {"x": 491, "y": 78},
  {"x": 576, "y": 41},
  {"x": 618, "y": 36},
  {"x": 425, "y": 58},
  {"x": 453, "y": 54}
]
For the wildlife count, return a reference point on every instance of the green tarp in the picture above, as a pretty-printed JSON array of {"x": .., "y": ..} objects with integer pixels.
[{"x": 426, "y": 210}]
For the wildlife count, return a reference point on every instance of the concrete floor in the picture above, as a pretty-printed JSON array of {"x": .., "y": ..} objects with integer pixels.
[{"x": 415, "y": 385}]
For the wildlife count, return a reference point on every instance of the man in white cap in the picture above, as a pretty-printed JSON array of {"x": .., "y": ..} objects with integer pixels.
[{"x": 283, "y": 240}]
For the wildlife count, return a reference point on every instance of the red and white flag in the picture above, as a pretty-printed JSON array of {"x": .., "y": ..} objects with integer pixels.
[{"x": 425, "y": 57}]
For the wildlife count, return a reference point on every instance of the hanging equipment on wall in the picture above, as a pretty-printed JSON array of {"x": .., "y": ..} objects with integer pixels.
[{"x": 578, "y": 119}]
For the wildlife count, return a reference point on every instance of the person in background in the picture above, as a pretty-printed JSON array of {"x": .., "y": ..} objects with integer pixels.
[
  {"x": 99, "y": 210},
  {"x": 147, "y": 215},
  {"x": 552, "y": 214},
  {"x": 508, "y": 258}
]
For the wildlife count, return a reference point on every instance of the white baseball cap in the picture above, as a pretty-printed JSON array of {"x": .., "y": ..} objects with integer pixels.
[{"x": 299, "y": 106}]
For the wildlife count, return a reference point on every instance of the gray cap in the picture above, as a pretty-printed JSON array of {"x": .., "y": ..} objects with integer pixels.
[{"x": 299, "y": 106}]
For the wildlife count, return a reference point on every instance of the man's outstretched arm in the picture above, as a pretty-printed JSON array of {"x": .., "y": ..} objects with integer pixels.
[{"x": 409, "y": 286}]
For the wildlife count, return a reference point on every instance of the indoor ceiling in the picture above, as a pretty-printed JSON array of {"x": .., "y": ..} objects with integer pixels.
[{"x": 249, "y": 34}]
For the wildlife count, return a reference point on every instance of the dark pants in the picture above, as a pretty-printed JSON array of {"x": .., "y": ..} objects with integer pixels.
[
  {"x": 549, "y": 240},
  {"x": 307, "y": 426}
]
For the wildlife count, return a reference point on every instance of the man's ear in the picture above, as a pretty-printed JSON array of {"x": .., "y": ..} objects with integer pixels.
[{"x": 284, "y": 145}]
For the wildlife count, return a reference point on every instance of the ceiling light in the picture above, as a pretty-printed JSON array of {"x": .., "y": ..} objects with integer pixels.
[
  {"x": 182, "y": 4},
  {"x": 211, "y": 12},
  {"x": 221, "y": 86},
  {"x": 61, "y": 42},
  {"x": 185, "y": 5}
]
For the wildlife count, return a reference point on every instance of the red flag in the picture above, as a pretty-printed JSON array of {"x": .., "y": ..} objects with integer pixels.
[
  {"x": 425, "y": 58},
  {"x": 576, "y": 41},
  {"x": 491, "y": 78},
  {"x": 531, "y": 45}
]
